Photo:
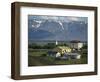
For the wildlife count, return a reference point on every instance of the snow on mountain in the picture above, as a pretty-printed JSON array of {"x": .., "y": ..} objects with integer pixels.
[{"x": 57, "y": 30}]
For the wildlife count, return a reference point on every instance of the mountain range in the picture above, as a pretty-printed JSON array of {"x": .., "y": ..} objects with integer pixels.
[{"x": 57, "y": 30}]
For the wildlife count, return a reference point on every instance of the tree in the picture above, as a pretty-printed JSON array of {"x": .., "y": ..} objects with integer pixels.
[
  {"x": 34, "y": 46},
  {"x": 85, "y": 46},
  {"x": 49, "y": 46},
  {"x": 84, "y": 49}
]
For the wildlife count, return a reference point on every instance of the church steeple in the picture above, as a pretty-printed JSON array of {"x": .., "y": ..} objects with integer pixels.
[{"x": 56, "y": 42}]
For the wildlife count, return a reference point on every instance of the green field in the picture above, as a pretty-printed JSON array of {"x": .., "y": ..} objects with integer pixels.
[{"x": 36, "y": 57}]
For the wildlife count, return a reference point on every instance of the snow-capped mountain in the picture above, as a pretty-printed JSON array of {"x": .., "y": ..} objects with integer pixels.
[{"x": 57, "y": 30}]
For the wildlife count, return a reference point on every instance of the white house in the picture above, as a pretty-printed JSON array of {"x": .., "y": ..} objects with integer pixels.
[{"x": 76, "y": 44}]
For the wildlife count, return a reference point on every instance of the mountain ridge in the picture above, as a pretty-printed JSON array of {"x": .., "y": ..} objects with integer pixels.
[{"x": 57, "y": 30}]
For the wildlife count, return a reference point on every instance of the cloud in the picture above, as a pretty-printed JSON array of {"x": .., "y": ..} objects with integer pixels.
[
  {"x": 58, "y": 18},
  {"x": 73, "y": 18},
  {"x": 49, "y": 17}
]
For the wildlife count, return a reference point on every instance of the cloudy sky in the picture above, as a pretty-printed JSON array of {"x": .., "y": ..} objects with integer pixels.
[{"x": 57, "y": 18}]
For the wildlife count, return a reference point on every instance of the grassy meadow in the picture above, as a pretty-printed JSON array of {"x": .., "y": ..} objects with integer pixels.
[{"x": 37, "y": 57}]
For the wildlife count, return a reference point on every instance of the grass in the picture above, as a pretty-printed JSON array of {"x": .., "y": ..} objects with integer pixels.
[{"x": 36, "y": 58}]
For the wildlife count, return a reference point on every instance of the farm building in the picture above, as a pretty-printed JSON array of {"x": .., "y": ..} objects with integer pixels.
[
  {"x": 76, "y": 44},
  {"x": 63, "y": 52},
  {"x": 62, "y": 49}
]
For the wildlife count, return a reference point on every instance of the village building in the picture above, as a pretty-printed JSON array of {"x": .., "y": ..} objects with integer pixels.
[
  {"x": 62, "y": 49},
  {"x": 63, "y": 52},
  {"x": 76, "y": 45}
]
